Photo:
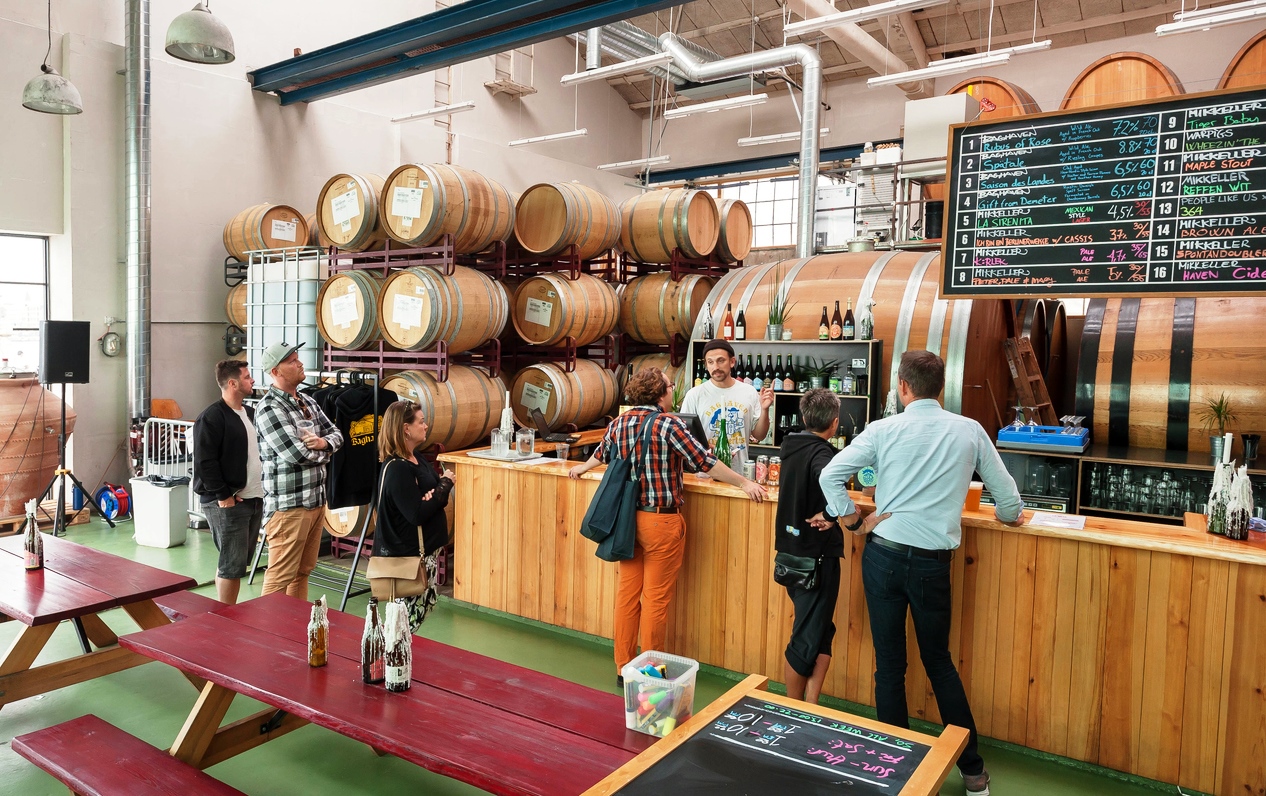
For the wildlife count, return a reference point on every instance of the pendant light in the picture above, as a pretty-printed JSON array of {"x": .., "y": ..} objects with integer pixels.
[
  {"x": 200, "y": 38},
  {"x": 49, "y": 92}
]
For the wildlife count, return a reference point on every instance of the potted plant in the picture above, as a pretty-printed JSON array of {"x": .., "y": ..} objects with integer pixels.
[
  {"x": 779, "y": 308},
  {"x": 819, "y": 373},
  {"x": 1217, "y": 412}
]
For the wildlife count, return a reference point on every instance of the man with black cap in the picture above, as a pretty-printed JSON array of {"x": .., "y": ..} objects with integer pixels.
[
  {"x": 296, "y": 441},
  {"x": 745, "y": 411}
]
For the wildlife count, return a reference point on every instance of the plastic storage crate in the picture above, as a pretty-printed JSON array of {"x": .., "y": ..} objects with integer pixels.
[{"x": 656, "y": 706}]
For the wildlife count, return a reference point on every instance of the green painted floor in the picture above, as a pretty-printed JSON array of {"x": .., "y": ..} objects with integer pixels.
[{"x": 152, "y": 701}]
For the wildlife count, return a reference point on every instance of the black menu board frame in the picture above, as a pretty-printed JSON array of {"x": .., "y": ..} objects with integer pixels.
[
  {"x": 1164, "y": 197},
  {"x": 770, "y": 744}
]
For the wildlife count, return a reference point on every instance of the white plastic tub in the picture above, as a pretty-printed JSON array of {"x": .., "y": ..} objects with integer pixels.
[
  {"x": 160, "y": 513},
  {"x": 656, "y": 706}
]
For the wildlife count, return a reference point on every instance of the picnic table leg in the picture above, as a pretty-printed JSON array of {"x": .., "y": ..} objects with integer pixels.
[
  {"x": 82, "y": 633},
  {"x": 148, "y": 615},
  {"x": 200, "y": 728},
  {"x": 23, "y": 652},
  {"x": 98, "y": 632}
]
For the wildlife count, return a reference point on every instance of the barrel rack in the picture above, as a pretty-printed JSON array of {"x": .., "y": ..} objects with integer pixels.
[
  {"x": 678, "y": 266},
  {"x": 234, "y": 336}
]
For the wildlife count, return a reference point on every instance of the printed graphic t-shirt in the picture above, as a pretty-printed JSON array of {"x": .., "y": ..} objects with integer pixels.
[{"x": 739, "y": 404}]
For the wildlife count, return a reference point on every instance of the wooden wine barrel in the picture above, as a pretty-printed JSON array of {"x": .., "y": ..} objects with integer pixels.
[
  {"x": 315, "y": 236},
  {"x": 1008, "y": 99},
  {"x": 264, "y": 226},
  {"x": 653, "y": 308},
  {"x": 551, "y": 216},
  {"x": 347, "y": 310},
  {"x": 548, "y": 308},
  {"x": 735, "y": 238},
  {"x": 655, "y": 223},
  {"x": 909, "y": 315},
  {"x": 235, "y": 305},
  {"x": 460, "y": 412},
  {"x": 343, "y": 522},
  {"x": 679, "y": 375},
  {"x": 31, "y": 419},
  {"x": 1248, "y": 67},
  {"x": 347, "y": 212},
  {"x": 1121, "y": 77},
  {"x": 1148, "y": 366},
  {"x": 421, "y": 203},
  {"x": 421, "y": 306},
  {"x": 579, "y": 397},
  {"x": 1044, "y": 322}
]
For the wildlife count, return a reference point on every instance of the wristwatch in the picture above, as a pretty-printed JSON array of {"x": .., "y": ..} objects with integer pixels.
[{"x": 860, "y": 520}]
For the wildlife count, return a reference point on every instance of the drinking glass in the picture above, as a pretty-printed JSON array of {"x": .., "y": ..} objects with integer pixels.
[
  {"x": 525, "y": 441},
  {"x": 500, "y": 443},
  {"x": 562, "y": 451},
  {"x": 306, "y": 428}
]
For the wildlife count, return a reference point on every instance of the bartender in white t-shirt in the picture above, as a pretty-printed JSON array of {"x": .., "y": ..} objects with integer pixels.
[{"x": 746, "y": 411}]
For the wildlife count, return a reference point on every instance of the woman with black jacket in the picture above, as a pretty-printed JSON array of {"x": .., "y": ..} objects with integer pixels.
[{"x": 411, "y": 519}]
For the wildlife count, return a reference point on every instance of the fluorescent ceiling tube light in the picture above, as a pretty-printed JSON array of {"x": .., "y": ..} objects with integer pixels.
[
  {"x": 716, "y": 105},
  {"x": 875, "y": 11},
  {"x": 1211, "y": 10},
  {"x": 540, "y": 139},
  {"x": 622, "y": 68},
  {"x": 1192, "y": 22},
  {"x": 438, "y": 110},
  {"x": 776, "y": 138},
  {"x": 640, "y": 163},
  {"x": 939, "y": 69}
]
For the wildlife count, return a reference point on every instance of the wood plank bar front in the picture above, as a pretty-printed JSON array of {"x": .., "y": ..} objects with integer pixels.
[{"x": 1130, "y": 645}]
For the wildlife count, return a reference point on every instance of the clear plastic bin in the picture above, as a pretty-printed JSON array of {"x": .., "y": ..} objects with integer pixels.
[{"x": 656, "y": 706}]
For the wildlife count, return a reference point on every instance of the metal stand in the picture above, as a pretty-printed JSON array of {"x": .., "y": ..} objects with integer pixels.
[{"x": 59, "y": 521}]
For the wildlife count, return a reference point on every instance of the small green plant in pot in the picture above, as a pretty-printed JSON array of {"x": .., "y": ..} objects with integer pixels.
[
  {"x": 819, "y": 373},
  {"x": 1217, "y": 412},
  {"x": 779, "y": 307}
]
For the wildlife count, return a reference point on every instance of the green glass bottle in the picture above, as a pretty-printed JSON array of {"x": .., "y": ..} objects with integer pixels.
[{"x": 722, "y": 447}]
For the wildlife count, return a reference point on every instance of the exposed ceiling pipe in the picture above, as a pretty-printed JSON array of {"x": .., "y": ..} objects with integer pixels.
[
  {"x": 911, "y": 28},
  {"x": 703, "y": 72},
  {"x": 621, "y": 50},
  {"x": 593, "y": 48},
  {"x": 137, "y": 222},
  {"x": 861, "y": 44}
]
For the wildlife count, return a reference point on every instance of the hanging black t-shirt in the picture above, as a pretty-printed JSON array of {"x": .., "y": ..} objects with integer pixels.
[{"x": 354, "y": 467}]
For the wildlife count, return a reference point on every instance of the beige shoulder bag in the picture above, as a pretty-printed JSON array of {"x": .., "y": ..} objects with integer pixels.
[{"x": 395, "y": 576}]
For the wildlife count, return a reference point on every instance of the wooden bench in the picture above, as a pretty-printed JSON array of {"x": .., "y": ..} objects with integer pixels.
[
  {"x": 92, "y": 756},
  {"x": 184, "y": 604}
]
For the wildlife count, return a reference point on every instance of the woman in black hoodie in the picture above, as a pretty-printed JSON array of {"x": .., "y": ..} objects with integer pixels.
[{"x": 411, "y": 517}]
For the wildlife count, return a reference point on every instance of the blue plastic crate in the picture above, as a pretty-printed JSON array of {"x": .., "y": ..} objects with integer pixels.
[{"x": 1049, "y": 439}]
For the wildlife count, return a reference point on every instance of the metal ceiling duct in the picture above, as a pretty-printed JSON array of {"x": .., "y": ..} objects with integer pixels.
[
  {"x": 593, "y": 48},
  {"x": 137, "y": 165}
]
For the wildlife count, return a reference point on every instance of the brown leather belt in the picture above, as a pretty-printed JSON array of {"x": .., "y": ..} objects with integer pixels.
[{"x": 660, "y": 509}]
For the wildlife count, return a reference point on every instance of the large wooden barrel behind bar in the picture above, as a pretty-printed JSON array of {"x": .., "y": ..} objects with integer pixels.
[
  {"x": 909, "y": 315},
  {"x": 347, "y": 212},
  {"x": 656, "y": 222},
  {"x": 264, "y": 226},
  {"x": 347, "y": 310},
  {"x": 1009, "y": 100},
  {"x": 421, "y": 203},
  {"x": 1121, "y": 77},
  {"x": 1147, "y": 366},
  {"x": 1248, "y": 67},
  {"x": 235, "y": 305},
  {"x": 552, "y": 216},
  {"x": 735, "y": 238},
  {"x": 579, "y": 397},
  {"x": 653, "y": 308},
  {"x": 421, "y": 306},
  {"x": 461, "y": 411},
  {"x": 548, "y": 308}
]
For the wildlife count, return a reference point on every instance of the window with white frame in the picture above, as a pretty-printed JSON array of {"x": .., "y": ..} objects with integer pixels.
[
  {"x": 23, "y": 299},
  {"x": 774, "y": 203}
]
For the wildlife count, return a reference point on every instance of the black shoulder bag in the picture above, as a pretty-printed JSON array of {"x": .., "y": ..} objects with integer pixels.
[
  {"x": 611, "y": 520},
  {"x": 797, "y": 572}
]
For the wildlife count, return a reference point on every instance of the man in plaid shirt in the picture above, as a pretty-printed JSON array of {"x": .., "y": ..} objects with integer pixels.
[
  {"x": 296, "y": 441},
  {"x": 648, "y": 580}
]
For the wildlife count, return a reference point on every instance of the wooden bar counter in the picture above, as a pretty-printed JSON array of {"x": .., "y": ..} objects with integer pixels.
[{"x": 1134, "y": 646}]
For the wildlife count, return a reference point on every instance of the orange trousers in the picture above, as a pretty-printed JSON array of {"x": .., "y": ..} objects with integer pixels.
[{"x": 647, "y": 583}]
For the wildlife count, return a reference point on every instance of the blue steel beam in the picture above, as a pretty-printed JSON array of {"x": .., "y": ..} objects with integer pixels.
[
  {"x": 355, "y": 74},
  {"x": 749, "y": 165}
]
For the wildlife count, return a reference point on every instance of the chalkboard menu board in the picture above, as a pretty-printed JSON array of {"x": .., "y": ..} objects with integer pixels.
[
  {"x": 759, "y": 747},
  {"x": 1163, "y": 197}
]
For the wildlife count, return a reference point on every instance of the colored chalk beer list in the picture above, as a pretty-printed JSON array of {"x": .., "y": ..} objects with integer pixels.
[{"x": 1164, "y": 197}]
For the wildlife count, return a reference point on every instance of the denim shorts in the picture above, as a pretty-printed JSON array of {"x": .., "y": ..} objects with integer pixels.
[{"x": 234, "y": 531}]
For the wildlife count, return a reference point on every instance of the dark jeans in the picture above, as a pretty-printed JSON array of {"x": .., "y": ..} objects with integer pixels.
[{"x": 895, "y": 582}]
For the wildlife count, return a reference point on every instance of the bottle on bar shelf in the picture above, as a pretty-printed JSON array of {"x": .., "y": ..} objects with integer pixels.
[
  {"x": 749, "y": 371},
  {"x": 32, "y": 540},
  {"x": 789, "y": 376},
  {"x": 740, "y": 326},
  {"x": 849, "y": 387},
  {"x": 849, "y": 325},
  {"x": 398, "y": 657},
  {"x": 708, "y": 331},
  {"x": 701, "y": 372},
  {"x": 722, "y": 447},
  {"x": 758, "y": 375},
  {"x": 777, "y": 378},
  {"x": 373, "y": 647},
  {"x": 318, "y": 633},
  {"x": 837, "y": 323},
  {"x": 727, "y": 324},
  {"x": 824, "y": 326}
]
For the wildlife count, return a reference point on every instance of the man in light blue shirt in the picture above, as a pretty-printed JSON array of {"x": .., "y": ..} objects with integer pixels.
[{"x": 925, "y": 458}]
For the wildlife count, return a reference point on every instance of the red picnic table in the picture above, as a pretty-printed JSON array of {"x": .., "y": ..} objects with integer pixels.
[
  {"x": 76, "y": 583},
  {"x": 500, "y": 727}
]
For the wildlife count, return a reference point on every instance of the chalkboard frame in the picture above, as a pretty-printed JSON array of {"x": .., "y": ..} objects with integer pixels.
[
  {"x": 927, "y": 779},
  {"x": 1064, "y": 290}
]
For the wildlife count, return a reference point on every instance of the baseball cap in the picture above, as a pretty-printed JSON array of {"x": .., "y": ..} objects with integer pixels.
[{"x": 276, "y": 352}]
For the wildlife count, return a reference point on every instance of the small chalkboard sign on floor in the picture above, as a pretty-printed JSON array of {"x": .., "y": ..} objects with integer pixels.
[{"x": 753, "y": 742}]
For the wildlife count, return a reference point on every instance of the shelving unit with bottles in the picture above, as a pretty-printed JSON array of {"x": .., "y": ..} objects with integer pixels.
[{"x": 864, "y": 357}]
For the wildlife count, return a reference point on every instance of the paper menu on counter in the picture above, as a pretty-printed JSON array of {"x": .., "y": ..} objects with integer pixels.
[{"x": 1046, "y": 519}]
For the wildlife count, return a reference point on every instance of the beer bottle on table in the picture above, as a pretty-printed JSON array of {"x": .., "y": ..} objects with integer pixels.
[
  {"x": 722, "y": 450},
  {"x": 849, "y": 326},
  {"x": 824, "y": 327},
  {"x": 32, "y": 539},
  {"x": 372, "y": 647},
  {"x": 727, "y": 324},
  {"x": 740, "y": 326},
  {"x": 398, "y": 657},
  {"x": 837, "y": 323},
  {"x": 318, "y": 634}
]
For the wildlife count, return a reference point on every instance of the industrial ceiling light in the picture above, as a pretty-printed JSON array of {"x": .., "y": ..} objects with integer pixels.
[
  {"x": 777, "y": 138},
  {"x": 1186, "y": 22},
  {"x": 200, "y": 38},
  {"x": 856, "y": 15},
  {"x": 540, "y": 139},
  {"x": 717, "y": 105},
  {"x": 941, "y": 68},
  {"x": 49, "y": 92},
  {"x": 622, "y": 68},
  {"x": 638, "y": 164},
  {"x": 438, "y": 110}
]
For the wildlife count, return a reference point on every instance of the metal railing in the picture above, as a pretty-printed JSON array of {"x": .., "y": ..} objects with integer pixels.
[{"x": 168, "y": 452}]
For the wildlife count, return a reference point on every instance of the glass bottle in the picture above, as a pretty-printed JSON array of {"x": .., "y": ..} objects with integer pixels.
[
  {"x": 749, "y": 372},
  {"x": 758, "y": 375},
  {"x": 849, "y": 325},
  {"x": 372, "y": 647},
  {"x": 824, "y": 326},
  {"x": 701, "y": 372},
  {"x": 789, "y": 376},
  {"x": 777, "y": 379},
  {"x": 398, "y": 672},
  {"x": 837, "y": 323},
  {"x": 784, "y": 428},
  {"x": 318, "y": 634},
  {"x": 708, "y": 331},
  {"x": 32, "y": 539},
  {"x": 722, "y": 448},
  {"x": 740, "y": 326},
  {"x": 849, "y": 386},
  {"x": 727, "y": 324}
]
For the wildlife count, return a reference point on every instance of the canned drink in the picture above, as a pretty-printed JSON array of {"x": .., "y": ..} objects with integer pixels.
[
  {"x": 775, "y": 470},
  {"x": 749, "y": 470},
  {"x": 762, "y": 469}
]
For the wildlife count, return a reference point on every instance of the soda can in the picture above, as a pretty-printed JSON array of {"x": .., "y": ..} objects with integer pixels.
[
  {"x": 762, "y": 469},
  {"x": 775, "y": 470},
  {"x": 749, "y": 470}
]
